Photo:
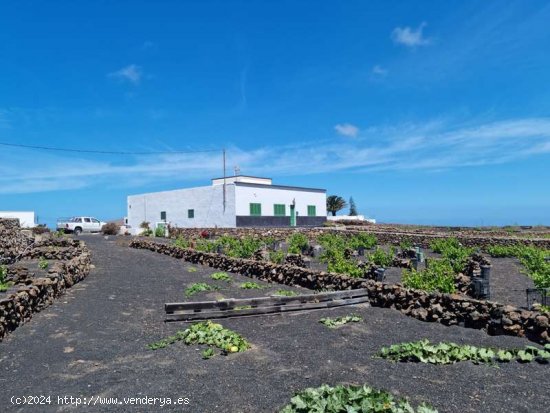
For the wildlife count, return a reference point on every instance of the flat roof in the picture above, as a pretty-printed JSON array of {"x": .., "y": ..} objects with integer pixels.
[
  {"x": 294, "y": 188},
  {"x": 241, "y": 176}
]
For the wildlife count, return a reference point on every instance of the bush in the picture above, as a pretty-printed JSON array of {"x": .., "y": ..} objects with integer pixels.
[
  {"x": 362, "y": 240},
  {"x": 110, "y": 229},
  {"x": 532, "y": 258},
  {"x": 297, "y": 243},
  {"x": 350, "y": 399},
  {"x": 381, "y": 257},
  {"x": 438, "y": 277},
  {"x": 453, "y": 252},
  {"x": 160, "y": 232}
]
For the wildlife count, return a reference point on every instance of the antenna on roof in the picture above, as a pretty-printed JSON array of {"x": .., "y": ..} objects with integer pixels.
[{"x": 237, "y": 170}]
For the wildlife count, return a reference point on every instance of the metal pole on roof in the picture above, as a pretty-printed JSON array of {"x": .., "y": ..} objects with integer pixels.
[{"x": 223, "y": 179}]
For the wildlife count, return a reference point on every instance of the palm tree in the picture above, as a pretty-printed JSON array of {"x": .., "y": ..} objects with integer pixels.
[{"x": 335, "y": 203}]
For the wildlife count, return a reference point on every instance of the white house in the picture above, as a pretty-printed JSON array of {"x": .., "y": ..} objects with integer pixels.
[
  {"x": 236, "y": 201},
  {"x": 27, "y": 219}
]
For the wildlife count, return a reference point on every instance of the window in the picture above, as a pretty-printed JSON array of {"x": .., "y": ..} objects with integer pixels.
[
  {"x": 255, "y": 209},
  {"x": 95, "y": 221},
  {"x": 87, "y": 220},
  {"x": 190, "y": 213},
  {"x": 279, "y": 210},
  {"x": 163, "y": 215},
  {"x": 311, "y": 211}
]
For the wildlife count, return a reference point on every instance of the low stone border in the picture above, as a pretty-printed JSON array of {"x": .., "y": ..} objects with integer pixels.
[
  {"x": 384, "y": 237},
  {"x": 448, "y": 309},
  {"x": 17, "y": 307}
]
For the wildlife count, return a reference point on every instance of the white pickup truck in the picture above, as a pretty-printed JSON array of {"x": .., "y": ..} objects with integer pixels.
[{"x": 77, "y": 225}]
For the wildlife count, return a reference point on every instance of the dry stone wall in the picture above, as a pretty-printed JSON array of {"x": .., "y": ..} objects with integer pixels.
[
  {"x": 448, "y": 309},
  {"x": 384, "y": 237},
  {"x": 31, "y": 295}
]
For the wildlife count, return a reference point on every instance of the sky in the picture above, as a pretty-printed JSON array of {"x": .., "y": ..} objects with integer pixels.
[{"x": 424, "y": 112}]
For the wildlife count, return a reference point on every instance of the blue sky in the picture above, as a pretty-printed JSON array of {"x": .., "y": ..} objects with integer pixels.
[{"x": 424, "y": 112}]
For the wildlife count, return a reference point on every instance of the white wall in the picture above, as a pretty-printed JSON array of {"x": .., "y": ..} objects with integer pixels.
[
  {"x": 268, "y": 196},
  {"x": 207, "y": 202},
  {"x": 26, "y": 218}
]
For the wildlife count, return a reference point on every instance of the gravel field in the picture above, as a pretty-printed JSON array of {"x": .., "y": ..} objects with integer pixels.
[{"x": 93, "y": 340}]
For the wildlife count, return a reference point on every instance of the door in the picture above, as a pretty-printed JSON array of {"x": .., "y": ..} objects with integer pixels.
[{"x": 293, "y": 214}]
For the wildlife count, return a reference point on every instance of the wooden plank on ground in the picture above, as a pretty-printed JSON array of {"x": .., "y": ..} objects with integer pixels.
[
  {"x": 259, "y": 301},
  {"x": 276, "y": 309}
]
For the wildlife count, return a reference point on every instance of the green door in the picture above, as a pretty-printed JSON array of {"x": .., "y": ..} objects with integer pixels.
[{"x": 292, "y": 215}]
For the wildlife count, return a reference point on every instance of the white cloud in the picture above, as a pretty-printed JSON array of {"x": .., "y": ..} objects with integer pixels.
[
  {"x": 131, "y": 73},
  {"x": 410, "y": 37},
  {"x": 379, "y": 71},
  {"x": 430, "y": 146},
  {"x": 347, "y": 129}
]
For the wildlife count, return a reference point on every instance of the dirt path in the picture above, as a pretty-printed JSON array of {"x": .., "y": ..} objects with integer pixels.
[{"x": 93, "y": 341}]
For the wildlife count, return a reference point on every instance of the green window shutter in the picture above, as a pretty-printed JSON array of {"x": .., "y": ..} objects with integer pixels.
[
  {"x": 163, "y": 215},
  {"x": 255, "y": 209},
  {"x": 279, "y": 210},
  {"x": 311, "y": 211},
  {"x": 190, "y": 213}
]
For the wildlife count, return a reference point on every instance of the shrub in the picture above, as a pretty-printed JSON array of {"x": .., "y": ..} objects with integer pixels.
[
  {"x": 43, "y": 263},
  {"x": 363, "y": 240},
  {"x": 110, "y": 229},
  {"x": 438, "y": 277},
  {"x": 277, "y": 257},
  {"x": 251, "y": 286},
  {"x": 297, "y": 243},
  {"x": 531, "y": 257},
  {"x": 4, "y": 285},
  {"x": 160, "y": 232},
  {"x": 447, "y": 353},
  {"x": 221, "y": 276},
  {"x": 181, "y": 242},
  {"x": 207, "y": 332},
  {"x": 381, "y": 257},
  {"x": 341, "y": 398},
  {"x": 199, "y": 287},
  {"x": 453, "y": 252}
]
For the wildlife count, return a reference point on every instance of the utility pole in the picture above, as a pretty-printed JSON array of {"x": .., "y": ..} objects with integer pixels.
[{"x": 224, "y": 180}]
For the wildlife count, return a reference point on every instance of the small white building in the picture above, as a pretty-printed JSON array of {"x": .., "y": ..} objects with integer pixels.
[
  {"x": 236, "y": 201},
  {"x": 27, "y": 219}
]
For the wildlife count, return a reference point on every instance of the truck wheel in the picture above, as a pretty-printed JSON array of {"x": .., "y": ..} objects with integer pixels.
[{"x": 77, "y": 231}]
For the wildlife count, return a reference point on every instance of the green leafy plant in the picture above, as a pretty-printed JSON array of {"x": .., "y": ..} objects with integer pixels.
[
  {"x": 532, "y": 258},
  {"x": 439, "y": 276},
  {"x": 447, "y": 353},
  {"x": 297, "y": 242},
  {"x": 4, "y": 285},
  {"x": 191, "y": 269},
  {"x": 382, "y": 258},
  {"x": 159, "y": 232},
  {"x": 342, "y": 399},
  {"x": 363, "y": 240},
  {"x": 181, "y": 242},
  {"x": 286, "y": 293},
  {"x": 452, "y": 251},
  {"x": 340, "y": 321},
  {"x": 221, "y": 276},
  {"x": 43, "y": 263},
  {"x": 199, "y": 287},
  {"x": 209, "y": 333},
  {"x": 207, "y": 353},
  {"x": 249, "y": 285},
  {"x": 276, "y": 257}
]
